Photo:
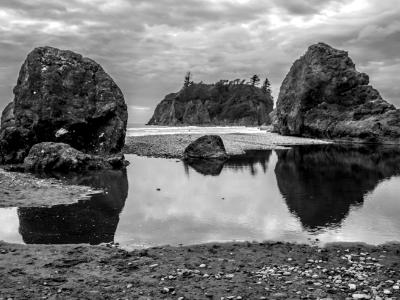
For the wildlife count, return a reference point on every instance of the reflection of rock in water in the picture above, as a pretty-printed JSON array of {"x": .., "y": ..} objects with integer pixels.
[
  {"x": 320, "y": 183},
  {"x": 206, "y": 166},
  {"x": 93, "y": 221},
  {"x": 249, "y": 160}
]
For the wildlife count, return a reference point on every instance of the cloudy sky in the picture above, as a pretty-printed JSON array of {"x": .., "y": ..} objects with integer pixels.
[{"x": 147, "y": 46}]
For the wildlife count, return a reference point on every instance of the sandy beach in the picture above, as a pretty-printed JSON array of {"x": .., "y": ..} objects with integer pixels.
[{"x": 173, "y": 145}]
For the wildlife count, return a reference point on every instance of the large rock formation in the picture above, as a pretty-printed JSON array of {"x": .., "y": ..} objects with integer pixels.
[
  {"x": 214, "y": 104},
  {"x": 62, "y": 157},
  {"x": 324, "y": 96},
  {"x": 61, "y": 96}
]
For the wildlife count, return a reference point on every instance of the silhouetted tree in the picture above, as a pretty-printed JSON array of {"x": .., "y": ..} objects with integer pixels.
[
  {"x": 255, "y": 80},
  {"x": 187, "y": 82},
  {"x": 266, "y": 88}
]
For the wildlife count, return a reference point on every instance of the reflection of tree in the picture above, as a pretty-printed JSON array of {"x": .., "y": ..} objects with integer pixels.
[
  {"x": 247, "y": 161},
  {"x": 320, "y": 183},
  {"x": 91, "y": 221}
]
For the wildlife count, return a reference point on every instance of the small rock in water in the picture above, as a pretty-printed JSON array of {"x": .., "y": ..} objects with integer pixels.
[{"x": 202, "y": 266}]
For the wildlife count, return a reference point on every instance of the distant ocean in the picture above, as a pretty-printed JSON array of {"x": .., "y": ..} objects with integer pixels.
[{"x": 136, "y": 129}]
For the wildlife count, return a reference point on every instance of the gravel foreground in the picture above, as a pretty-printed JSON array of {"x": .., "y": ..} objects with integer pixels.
[
  {"x": 173, "y": 146},
  {"x": 270, "y": 270}
]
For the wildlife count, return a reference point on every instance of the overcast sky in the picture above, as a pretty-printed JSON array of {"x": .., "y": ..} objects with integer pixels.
[{"x": 147, "y": 46}]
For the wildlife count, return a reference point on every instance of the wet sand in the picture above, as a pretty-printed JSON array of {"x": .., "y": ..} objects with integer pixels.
[
  {"x": 212, "y": 271},
  {"x": 173, "y": 146},
  {"x": 26, "y": 190}
]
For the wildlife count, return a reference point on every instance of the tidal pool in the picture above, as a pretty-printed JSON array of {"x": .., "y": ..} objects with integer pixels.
[{"x": 311, "y": 194}]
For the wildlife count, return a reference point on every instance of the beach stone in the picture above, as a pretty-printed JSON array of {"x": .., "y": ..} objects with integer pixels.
[
  {"x": 324, "y": 96},
  {"x": 352, "y": 286},
  {"x": 62, "y": 157},
  {"x": 63, "y": 97},
  {"x": 361, "y": 296},
  {"x": 206, "y": 147}
]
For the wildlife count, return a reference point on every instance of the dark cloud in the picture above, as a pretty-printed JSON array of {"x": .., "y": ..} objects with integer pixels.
[{"x": 147, "y": 46}]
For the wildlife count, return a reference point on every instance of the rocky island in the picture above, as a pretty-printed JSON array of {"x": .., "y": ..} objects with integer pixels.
[
  {"x": 324, "y": 96},
  {"x": 222, "y": 103}
]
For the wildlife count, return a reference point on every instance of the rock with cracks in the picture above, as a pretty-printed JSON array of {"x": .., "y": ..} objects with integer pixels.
[
  {"x": 324, "y": 96},
  {"x": 62, "y": 157},
  {"x": 206, "y": 147},
  {"x": 63, "y": 97}
]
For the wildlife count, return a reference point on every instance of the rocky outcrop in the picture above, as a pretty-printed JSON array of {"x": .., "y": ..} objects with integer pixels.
[
  {"x": 63, "y": 97},
  {"x": 62, "y": 157},
  {"x": 324, "y": 96},
  {"x": 214, "y": 104},
  {"x": 206, "y": 147}
]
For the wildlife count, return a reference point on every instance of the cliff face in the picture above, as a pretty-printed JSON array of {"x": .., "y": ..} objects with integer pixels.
[
  {"x": 214, "y": 104},
  {"x": 324, "y": 96}
]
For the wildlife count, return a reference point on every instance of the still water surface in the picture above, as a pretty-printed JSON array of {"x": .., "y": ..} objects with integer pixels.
[{"x": 313, "y": 194}]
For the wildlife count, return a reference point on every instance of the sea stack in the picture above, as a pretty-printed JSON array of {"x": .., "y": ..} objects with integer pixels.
[
  {"x": 324, "y": 96},
  {"x": 222, "y": 103},
  {"x": 63, "y": 97}
]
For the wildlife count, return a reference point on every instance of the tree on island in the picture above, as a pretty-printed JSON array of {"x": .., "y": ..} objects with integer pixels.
[
  {"x": 255, "y": 80},
  {"x": 187, "y": 81},
  {"x": 266, "y": 88}
]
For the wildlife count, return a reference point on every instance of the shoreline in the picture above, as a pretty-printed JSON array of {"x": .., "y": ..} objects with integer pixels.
[
  {"x": 27, "y": 190},
  {"x": 173, "y": 145},
  {"x": 266, "y": 270}
]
